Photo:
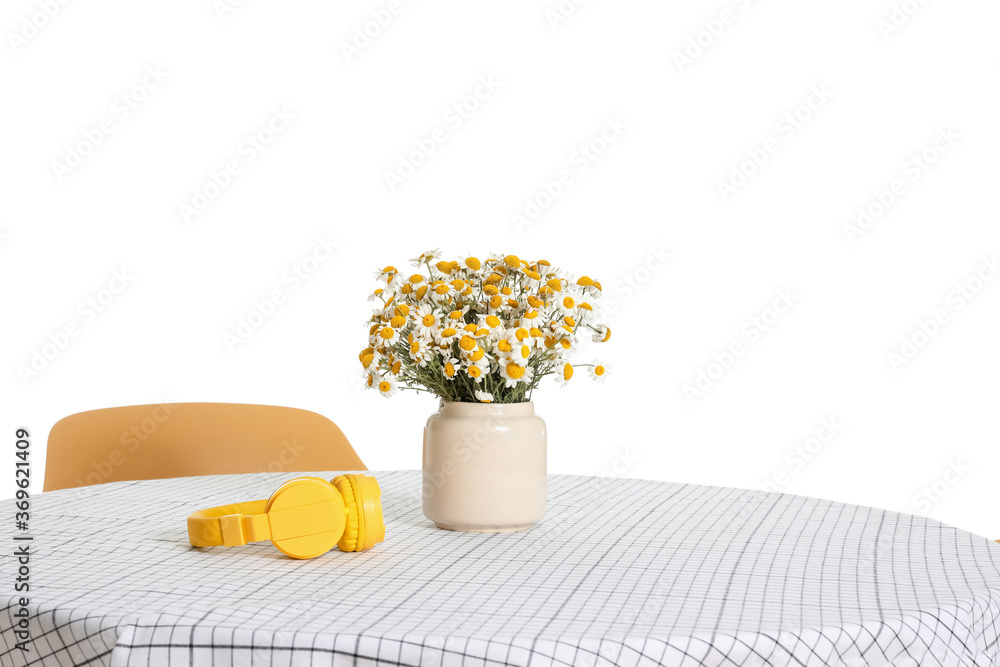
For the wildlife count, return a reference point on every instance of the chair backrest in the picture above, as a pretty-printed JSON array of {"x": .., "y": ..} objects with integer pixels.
[{"x": 183, "y": 439}]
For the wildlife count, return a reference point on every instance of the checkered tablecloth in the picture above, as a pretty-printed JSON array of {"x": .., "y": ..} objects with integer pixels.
[{"x": 622, "y": 572}]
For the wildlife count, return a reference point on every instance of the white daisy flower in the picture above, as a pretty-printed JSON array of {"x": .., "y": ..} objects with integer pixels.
[
  {"x": 471, "y": 264},
  {"x": 564, "y": 374},
  {"x": 419, "y": 351},
  {"x": 386, "y": 386},
  {"x": 385, "y": 274},
  {"x": 514, "y": 373},
  {"x": 478, "y": 353},
  {"x": 371, "y": 361},
  {"x": 477, "y": 370},
  {"x": 602, "y": 334},
  {"x": 598, "y": 371},
  {"x": 387, "y": 336},
  {"x": 450, "y": 369},
  {"x": 590, "y": 286},
  {"x": 428, "y": 256},
  {"x": 441, "y": 291},
  {"x": 426, "y": 320},
  {"x": 530, "y": 318},
  {"x": 447, "y": 335},
  {"x": 376, "y": 295},
  {"x": 484, "y": 396},
  {"x": 468, "y": 341},
  {"x": 584, "y": 311}
]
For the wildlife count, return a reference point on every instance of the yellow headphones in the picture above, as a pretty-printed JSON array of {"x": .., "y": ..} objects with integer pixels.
[{"x": 304, "y": 518}]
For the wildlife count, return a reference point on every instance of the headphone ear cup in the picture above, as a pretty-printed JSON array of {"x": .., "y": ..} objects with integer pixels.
[
  {"x": 349, "y": 540},
  {"x": 307, "y": 516}
]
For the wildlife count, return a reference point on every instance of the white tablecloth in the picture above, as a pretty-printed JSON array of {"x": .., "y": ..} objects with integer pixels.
[{"x": 624, "y": 572}]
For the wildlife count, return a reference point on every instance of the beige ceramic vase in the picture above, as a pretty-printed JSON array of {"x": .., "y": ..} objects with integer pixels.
[{"x": 484, "y": 467}]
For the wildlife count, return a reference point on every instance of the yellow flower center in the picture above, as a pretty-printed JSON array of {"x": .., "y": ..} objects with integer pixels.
[
  {"x": 506, "y": 291},
  {"x": 512, "y": 261},
  {"x": 441, "y": 289},
  {"x": 365, "y": 351},
  {"x": 568, "y": 302},
  {"x": 569, "y": 321},
  {"x": 496, "y": 301},
  {"x": 534, "y": 275},
  {"x": 521, "y": 334},
  {"x": 397, "y": 322},
  {"x": 387, "y": 333},
  {"x": 515, "y": 371},
  {"x": 407, "y": 289},
  {"x": 414, "y": 348},
  {"x": 458, "y": 284},
  {"x": 598, "y": 370},
  {"x": 467, "y": 343},
  {"x": 396, "y": 367},
  {"x": 473, "y": 263},
  {"x": 443, "y": 267},
  {"x": 384, "y": 386},
  {"x": 421, "y": 291},
  {"x": 449, "y": 369},
  {"x": 493, "y": 321},
  {"x": 586, "y": 306},
  {"x": 525, "y": 351},
  {"x": 472, "y": 328},
  {"x": 416, "y": 278},
  {"x": 555, "y": 284},
  {"x": 607, "y": 335},
  {"x": 448, "y": 333},
  {"x": 491, "y": 289},
  {"x": 504, "y": 346},
  {"x": 367, "y": 360},
  {"x": 402, "y": 309},
  {"x": 584, "y": 281},
  {"x": 535, "y": 302},
  {"x": 455, "y": 315},
  {"x": 428, "y": 320},
  {"x": 478, "y": 354},
  {"x": 475, "y": 371},
  {"x": 567, "y": 371},
  {"x": 565, "y": 343},
  {"x": 535, "y": 332}
]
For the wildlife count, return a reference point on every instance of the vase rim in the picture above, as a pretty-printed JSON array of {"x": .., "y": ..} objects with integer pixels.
[{"x": 523, "y": 407}]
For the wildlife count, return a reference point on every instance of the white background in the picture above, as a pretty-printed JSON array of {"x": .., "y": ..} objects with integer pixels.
[{"x": 890, "y": 88}]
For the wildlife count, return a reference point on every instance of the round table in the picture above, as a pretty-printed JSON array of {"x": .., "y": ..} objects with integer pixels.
[{"x": 622, "y": 572}]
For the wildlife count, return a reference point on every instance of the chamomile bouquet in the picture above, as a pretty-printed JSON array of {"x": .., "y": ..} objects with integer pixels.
[{"x": 479, "y": 331}]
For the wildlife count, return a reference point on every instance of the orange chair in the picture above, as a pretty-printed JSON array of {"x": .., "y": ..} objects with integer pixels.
[{"x": 182, "y": 439}]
